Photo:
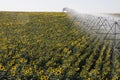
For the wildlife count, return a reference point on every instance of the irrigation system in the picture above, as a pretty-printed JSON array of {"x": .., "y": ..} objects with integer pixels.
[{"x": 100, "y": 24}]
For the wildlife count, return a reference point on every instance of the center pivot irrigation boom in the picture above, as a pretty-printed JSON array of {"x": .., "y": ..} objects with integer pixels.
[{"x": 104, "y": 25}]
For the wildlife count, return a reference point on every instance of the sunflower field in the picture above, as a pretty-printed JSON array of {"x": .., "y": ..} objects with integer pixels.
[{"x": 44, "y": 46}]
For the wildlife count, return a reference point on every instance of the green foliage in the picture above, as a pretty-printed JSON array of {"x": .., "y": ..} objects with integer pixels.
[{"x": 43, "y": 46}]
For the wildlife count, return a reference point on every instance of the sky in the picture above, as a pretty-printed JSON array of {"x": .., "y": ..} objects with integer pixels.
[{"x": 83, "y": 6}]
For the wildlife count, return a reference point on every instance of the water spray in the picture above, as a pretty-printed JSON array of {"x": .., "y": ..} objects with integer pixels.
[{"x": 100, "y": 24}]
